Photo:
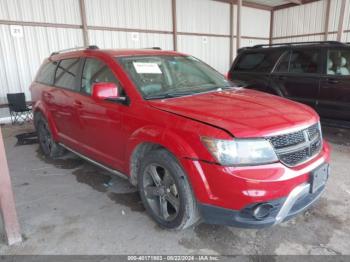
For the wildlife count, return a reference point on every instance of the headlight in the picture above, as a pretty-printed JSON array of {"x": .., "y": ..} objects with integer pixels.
[{"x": 241, "y": 151}]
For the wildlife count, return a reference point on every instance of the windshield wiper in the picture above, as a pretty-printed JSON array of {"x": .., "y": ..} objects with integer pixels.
[{"x": 169, "y": 95}]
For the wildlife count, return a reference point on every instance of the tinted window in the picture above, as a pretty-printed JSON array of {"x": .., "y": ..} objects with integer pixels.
[
  {"x": 338, "y": 62},
  {"x": 283, "y": 65},
  {"x": 258, "y": 62},
  {"x": 95, "y": 71},
  {"x": 47, "y": 73},
  {"x": 304, "y": 61},
  {"x": 66, "y": 73}
]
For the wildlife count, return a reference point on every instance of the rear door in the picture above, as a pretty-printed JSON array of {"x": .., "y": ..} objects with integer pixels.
[
  {"x": 297, "y": 75},
  {"x": 253, "y": 68},
  {"x": 64, "y": 102},
  {"x": 334, "y": 96}
]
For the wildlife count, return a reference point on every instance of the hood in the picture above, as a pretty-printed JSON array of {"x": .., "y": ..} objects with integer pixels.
[{"x": 241, "y": 112}]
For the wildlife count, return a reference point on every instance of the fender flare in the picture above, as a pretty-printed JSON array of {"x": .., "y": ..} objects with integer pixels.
[
  {"x": 162, "y": 137},
  {"x": 39, "y": 107},
  {"x": 157, "y": 136}
]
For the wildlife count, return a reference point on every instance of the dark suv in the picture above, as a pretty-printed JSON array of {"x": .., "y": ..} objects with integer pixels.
[{"x": 314, "y": 73}]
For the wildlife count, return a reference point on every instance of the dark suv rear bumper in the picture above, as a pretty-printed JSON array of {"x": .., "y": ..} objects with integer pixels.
[{"x": 283, "y": 209}]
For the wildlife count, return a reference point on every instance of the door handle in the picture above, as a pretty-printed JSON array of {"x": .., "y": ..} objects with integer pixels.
[
  {"x": 78, "y": 104},
  {"x": 333, "y": 81}
]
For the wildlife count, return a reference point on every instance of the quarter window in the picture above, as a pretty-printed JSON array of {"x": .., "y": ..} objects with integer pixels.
[
  {"x": 66, "y": 73},
  {"x": 47, "y": 73},
  {"x": 95, "y": 71},
  {"x": 257, "y": 62}
]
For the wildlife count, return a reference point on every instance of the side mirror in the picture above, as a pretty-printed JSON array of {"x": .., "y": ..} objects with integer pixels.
[{"x": 106, "y": 91}]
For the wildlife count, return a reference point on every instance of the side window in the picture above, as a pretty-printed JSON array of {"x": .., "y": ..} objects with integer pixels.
[
  {"x": 95, "y": 71},
  {"x": 338, "y": 62},
  {"x": 249, "y": 61},
  {"x": 66, "y": 73},
  {"x": 305, "y": 61},
  {"x": 283, "y": 65},
  {"x": 257, "y": 62},
  {"x": 47, "y": 73}
]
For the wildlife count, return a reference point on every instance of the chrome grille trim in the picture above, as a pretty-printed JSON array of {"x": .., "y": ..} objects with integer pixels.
[{"x": 298, "y": 147}]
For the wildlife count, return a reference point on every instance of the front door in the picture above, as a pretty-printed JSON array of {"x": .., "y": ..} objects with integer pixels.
[
  {"x": 334, "y": 97},
  {"x": 297, "y": 75},
  {"x": 100, "y": 123}
]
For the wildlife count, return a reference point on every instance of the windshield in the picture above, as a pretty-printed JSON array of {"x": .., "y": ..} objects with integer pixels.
[{"x": 171, "y": 76}]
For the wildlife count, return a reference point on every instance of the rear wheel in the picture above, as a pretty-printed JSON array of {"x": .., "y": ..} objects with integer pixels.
[
  {"x": 165, "y": 191},
  {"x": 49, "y": 147}
]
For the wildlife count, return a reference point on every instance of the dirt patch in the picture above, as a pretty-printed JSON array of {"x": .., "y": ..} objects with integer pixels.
[
  {"x": 130, "y": 200},
  {"x": 102, "y": 181},
  {"x": 221, "y": 239},
  {"x": 69, "y": 161},
  {"x": 95, "y": 177}
]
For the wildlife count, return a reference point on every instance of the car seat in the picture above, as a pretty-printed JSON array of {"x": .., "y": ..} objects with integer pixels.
[
  {"x": 330, "y": 64},
  {"x": 343, "y": 70}
]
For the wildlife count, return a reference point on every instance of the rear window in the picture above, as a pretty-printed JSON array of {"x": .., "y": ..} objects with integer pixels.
[
  {"x": 66, "y": 73},
  {"x": 47, "y": 73},
  {"x": 257, "y": 61}
]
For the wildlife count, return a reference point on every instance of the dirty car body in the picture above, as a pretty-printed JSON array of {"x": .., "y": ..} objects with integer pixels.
[{"x": 234, "y": 156}]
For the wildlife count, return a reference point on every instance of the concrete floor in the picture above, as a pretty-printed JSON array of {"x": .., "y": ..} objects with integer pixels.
[{"x": 68, "y": 206}]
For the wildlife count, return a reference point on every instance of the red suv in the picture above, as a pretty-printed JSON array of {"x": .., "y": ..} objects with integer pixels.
[{"x": 197, "y": 148}]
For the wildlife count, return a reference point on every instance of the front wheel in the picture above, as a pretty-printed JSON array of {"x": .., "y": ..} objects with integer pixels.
[{"x": 165, "y": 191}]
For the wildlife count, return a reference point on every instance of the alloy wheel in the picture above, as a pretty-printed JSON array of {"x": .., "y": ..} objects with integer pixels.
[{"x": 161, "y": 192}]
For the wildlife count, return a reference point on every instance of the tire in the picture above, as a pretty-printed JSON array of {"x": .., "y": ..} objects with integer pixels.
[
  {"x": 49, "y": 147},
  {"x": 165, "y": 191}
]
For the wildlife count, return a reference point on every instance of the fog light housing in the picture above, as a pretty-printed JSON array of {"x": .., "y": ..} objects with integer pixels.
[{"x": 262, "y": 211}]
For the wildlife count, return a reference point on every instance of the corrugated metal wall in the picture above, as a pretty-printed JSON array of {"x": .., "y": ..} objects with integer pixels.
[
  {"x": 205, "y": 17},
  {"x": 255, "y": 26},
  {"x": 137, "y": 14},
  {"x": 48, "y": 11},
  {"x": 307, "y": 22},
  {"x": 113, "y": 39},
  {"x": 21, "y": 56},
  {"x": 203, "y": 28}
]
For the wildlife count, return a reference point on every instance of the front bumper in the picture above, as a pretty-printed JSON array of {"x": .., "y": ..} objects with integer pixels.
[
  {"x": 227, "y": 195},
  {"x": 285, "y": 208}
]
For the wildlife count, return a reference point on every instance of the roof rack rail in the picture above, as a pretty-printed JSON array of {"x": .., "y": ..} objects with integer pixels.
[
  {"x": 153, "y": 47},
  {"x": 299, "y": 43},
  {"x": 92, "y": 47}
]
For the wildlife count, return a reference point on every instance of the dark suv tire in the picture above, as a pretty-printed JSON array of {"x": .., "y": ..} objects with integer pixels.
[
  {"x": 165, "y": 191},
  {"x": 49, "y": 147}
]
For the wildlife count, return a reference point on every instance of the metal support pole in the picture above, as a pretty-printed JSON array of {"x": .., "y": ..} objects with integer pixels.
[
  {"x": 83, "y": 22},
  {"x": 173, "y": 6},
  {"x": 231, "y": 32},
  {"x": 239, "y": 16},
  {"x": 341, "y": 21},
  {"x": 326, "y": 22},
  {"x": 7, "y": 202},
  {"x": 272, "y": 14}
]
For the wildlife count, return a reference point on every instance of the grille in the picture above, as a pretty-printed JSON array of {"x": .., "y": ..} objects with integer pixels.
[
  {"x": 287, "y": 140},
  {"x": 297, "y": 147}
]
